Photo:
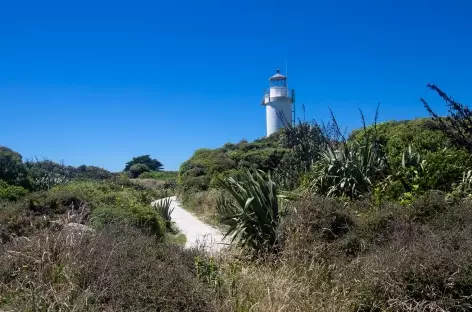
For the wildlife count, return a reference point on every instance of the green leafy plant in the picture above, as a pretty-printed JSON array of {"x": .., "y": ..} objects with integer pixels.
[
  {"x": 208, "y": 272},
  {"x": 11, "y": 192},
  {"x": 163, "y": 207},
  {"x": 350, "y": 168},
  {"x": 305, "y": 142},
  {"x": 251, "y": 211},
  {"x": 406, "y": 181}
]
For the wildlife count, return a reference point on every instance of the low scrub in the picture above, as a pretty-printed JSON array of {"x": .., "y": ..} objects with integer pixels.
[
  {"x": 360, "y": 257},
  {"x": 116, "y": 269},
  {"x": 100, "y": 203}
]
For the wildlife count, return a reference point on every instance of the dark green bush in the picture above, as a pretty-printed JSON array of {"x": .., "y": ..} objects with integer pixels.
[
  {"x": 46, "y": 174},
  {"x": 202, "y": 169},
  {"x": 93, "y": 173},
  {"x": 137, "y": 169},
  {"x": 129, "y": 214},
  {"x": 422, "y": 134},
  {"x": 12, "y": 169},
  {"x": 150, "y": 163}
]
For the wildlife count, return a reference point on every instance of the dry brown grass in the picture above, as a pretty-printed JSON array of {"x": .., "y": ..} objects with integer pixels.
[
  {"x": 118, "y": 269},
  {"x": 390, "y": 258}
]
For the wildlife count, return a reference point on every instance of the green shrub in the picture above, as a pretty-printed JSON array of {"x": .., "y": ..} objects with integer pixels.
[
  {"x": 195, "y": 184},
  {"x": 46, "y": 174},
  {"x": 439, "y": 170},
  {"x": 93, "y": 173},
  {"x": 12, "y": 169},
  {"x": 11, "y": 192},
  {"x": 305, "y": 141},
  {"x": 129, "y": 214},
  {"x": 252, "y": 211},
  {"x": 395, "y": 136},
  {"x": 350, "y": 171},
  {"x": 56, "y": 202},
  {"x": 200, "y": 172},
  {"x": 349, "y": 168},
  {"x": 163, "y": 208},
  {"x": 137, "y": 169}
]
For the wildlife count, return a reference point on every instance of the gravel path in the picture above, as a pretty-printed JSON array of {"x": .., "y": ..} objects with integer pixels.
[{"x": 198, "y": 233}]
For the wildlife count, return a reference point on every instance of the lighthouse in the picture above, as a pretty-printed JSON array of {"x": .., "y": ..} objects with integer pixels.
[{"x": 278, "y": 100}]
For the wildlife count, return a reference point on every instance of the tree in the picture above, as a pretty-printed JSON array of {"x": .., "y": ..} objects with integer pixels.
[
  {"x": 12, "y": 168},
  {"x": 151, "y": 164},
  {"x": 458, "y": 125}
]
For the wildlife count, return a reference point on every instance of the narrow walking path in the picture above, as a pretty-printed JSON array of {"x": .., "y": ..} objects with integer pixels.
[{"x": 198, "y": 233}]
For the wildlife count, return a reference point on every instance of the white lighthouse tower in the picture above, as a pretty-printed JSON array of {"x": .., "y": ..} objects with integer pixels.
[{"x": 278, "y": 100}]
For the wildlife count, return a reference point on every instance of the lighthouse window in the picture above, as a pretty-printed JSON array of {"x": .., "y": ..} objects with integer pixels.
[{"x": 278, "y": 83}]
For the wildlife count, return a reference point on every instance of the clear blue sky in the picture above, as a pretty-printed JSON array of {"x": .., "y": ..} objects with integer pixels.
[{"x": 98, "y": 82}]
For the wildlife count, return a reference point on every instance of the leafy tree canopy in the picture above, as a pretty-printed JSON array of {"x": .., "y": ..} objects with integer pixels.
[
  {"x": 151, "y": 164},
  {"x": 12, "y": 169}
]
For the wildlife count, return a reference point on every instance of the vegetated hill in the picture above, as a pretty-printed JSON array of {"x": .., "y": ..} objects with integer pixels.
[
  {"x": 274, "y": 154},
  {"x": 380, "y": 221},
  {"x": 200, "y": 172},
  {"x": 83, "y": 239},
  {"x": 423, "y": 134}
]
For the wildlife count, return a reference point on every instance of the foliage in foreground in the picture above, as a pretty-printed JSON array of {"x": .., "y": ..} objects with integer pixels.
[
  {"x": 116, "y": 269},
  {"x": 357, "y": 256}
]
